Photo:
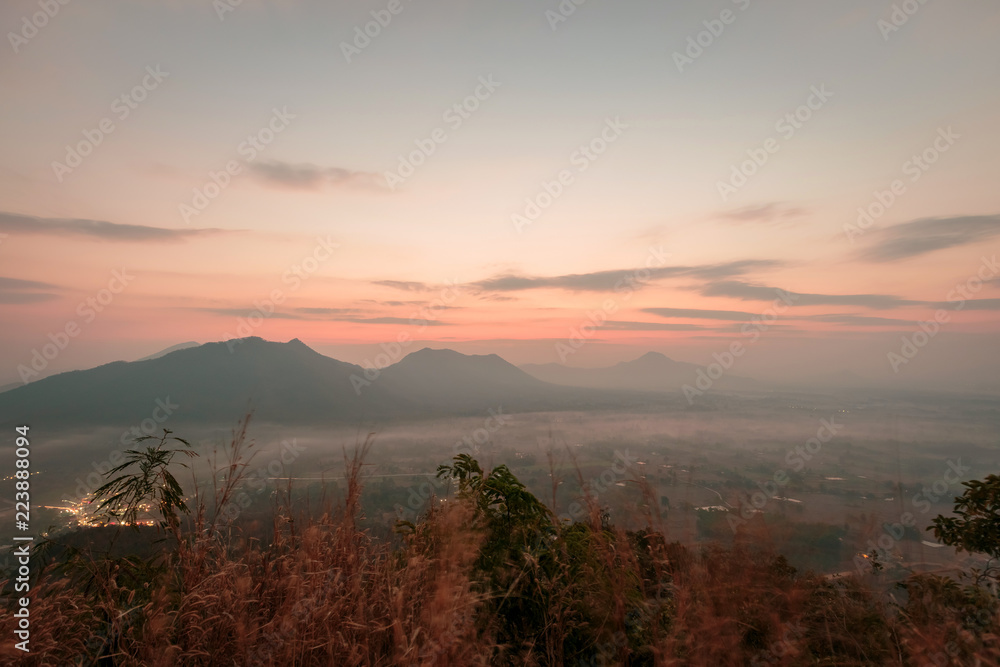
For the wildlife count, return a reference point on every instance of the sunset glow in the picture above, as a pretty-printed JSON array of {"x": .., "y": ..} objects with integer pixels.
[{"x": 227, "y": 153}]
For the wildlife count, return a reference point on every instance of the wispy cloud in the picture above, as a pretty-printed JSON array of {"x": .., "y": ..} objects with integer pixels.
[
  {"x": 977, "y": 304},
  {"x": 329, "y": 311},
  {"x": 783, "y": 328},
  {"x": 393, "y": 320},
  {"x": 358, "y": 316},
  {"x": 699, "y": 314},
  {"x": 393, "y": 303},
  {"x": 606, "y": 281},
  {"x": 736, "y": 289},
  {"x": 919, "y": 237},
  {"x": 243, "y": 312},
  {"x": 744, "y": 291},
  {"x": 14, "y": 223},
  {"x": 740, "y": 316},
  {"x": 732, "y": 269},
  {"x": 649, "y": 326},
  {"x": 17, "y": 298},
  {"x": 18, "y": 291},
  {"x": 860, "y": 320},
  {"x": 17, "y": 283},
  {"x": 312, "y": 177},
  {"x": 768, "y": 213},
  {"x": 405, "y": 285},
  {"x": 496, "y": 297},
  {"x": 351, "y": 315}
]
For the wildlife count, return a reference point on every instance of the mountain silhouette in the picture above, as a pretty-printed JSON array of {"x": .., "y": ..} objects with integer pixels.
[
  {"x": 445, "y": 379},
  {"x": 172, "y": 348},
  {"x": 283, "y": 383}
]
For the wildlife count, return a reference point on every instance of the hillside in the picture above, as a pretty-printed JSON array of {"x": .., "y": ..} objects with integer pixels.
[
  {"x": 285, "y": 382},
  {"x": 215, "y": 381},
  {"x": 442, "y": 379}
]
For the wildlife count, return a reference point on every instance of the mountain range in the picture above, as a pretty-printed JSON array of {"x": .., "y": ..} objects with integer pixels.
[{"x": 292, "y": 383}]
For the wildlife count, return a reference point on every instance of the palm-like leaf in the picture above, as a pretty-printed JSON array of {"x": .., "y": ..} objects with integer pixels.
[{"x": 150, "y": 479}]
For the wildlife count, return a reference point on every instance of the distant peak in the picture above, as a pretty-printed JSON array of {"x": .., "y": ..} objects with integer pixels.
[
  {"x": 169, "y": 350},
  {"x": 654, "y": 356},
  {"x": 254, "y": 342},
  {"x": 435, "y": 352},
  {"x": 445, "y": 355},
  {"x": 248, "y": 339},
  {"x": 297, "y": 344},
  {"x": 258, "y": 340}
]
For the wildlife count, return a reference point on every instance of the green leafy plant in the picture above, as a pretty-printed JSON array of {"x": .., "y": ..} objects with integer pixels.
[
  {"x": 123, "y": 497},
  {"x": 498, "y": 494},
  {"x": 976, "y": 528}
]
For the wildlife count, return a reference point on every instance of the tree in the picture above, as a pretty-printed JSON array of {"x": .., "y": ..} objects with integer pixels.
[
  {"x": 515, "y": 555},
  {"x": 499, "y": 497},
  {"x": 976, "y": 528}
]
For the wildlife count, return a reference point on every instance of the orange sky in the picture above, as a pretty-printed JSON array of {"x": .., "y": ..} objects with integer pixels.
[{"x": 629, "y": 158}]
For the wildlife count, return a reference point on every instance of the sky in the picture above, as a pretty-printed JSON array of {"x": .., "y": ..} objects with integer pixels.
[{"x": 548, "y": 181}]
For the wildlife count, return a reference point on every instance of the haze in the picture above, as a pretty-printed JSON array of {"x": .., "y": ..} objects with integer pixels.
[{"x": 318, "y": 129}]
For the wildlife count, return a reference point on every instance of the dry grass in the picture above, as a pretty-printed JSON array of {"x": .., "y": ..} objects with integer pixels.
[{"x": 323, "y": 592}]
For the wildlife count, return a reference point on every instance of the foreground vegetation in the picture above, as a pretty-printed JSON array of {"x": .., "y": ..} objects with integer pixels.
[{"x": 488, "y": 577}]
